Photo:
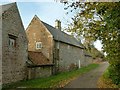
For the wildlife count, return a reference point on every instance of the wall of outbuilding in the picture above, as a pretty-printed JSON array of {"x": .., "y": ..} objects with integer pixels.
[
  {"x": 70, "y": 57},
  {"x": 0, "y": 50},
  {"x": 37, "y": 72},
  {"x": 88, "y": 60},
  {"x": 13, "y": 58}
]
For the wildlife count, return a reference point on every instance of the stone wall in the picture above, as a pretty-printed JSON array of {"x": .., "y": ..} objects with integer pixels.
[
  {"x": 88, "y": 60},
  {"x": 37, "y": 72},
  {"x": 13, "y": 58},
  {"x": 70, "y": 57},
  {"x": 0, "y": 49},
  {"x": 37, "y": 32}
]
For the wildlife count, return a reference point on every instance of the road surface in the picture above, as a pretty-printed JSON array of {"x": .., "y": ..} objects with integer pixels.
[{"x": 88, "y": 80}]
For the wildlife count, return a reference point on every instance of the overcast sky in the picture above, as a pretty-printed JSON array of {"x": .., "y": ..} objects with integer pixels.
[{"x": 47, "y": 11}]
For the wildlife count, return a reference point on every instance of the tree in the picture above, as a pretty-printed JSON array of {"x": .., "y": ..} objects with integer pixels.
[{"x": 100, "y": 21}]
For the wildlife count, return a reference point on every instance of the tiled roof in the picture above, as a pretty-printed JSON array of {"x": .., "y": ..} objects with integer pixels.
[
  {"x": 86, "y": 53},
  {"x": 37, "y": 58},
  {"x": 61, "y": 36}
]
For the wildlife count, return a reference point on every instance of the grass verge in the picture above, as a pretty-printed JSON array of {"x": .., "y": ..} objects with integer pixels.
[
  {"x": 105, "y": 82},
  {"x": 55, "y": 81}
]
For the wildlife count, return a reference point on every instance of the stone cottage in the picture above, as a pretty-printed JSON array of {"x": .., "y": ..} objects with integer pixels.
[
  {"x": 60, "y": 49},
  {"x": 14, "y": 45}
]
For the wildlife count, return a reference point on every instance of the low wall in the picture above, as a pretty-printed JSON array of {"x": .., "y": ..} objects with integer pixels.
[{"x": 37, "y": 72}]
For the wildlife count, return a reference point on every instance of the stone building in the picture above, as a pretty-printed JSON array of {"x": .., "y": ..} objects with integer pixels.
[
  {"x": 49, "y": 49},
  {"x": 38, "y": 65},
  {"x": 14, "y": 45},
  {"x": 88, "y": 58},
  {"x": 61, "y": 49}
]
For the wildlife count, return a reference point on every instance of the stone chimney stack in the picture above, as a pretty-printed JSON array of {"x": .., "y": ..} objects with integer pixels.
[{"x": 58, "y": 24}]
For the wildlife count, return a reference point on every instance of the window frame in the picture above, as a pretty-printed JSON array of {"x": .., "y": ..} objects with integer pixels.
[
  {"x": 12, "y": 39},
  {"x": 38, "y": 45}
]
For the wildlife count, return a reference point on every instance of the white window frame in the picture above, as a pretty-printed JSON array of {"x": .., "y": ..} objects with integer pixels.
[
  {"x": 38, "y": 45},
  {"x": 12, "y": 40}
]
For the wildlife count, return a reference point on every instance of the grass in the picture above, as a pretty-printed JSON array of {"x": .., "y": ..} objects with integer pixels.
[
  {"x": 55, "y": 81},
  {"x": 106, "y": 82}
]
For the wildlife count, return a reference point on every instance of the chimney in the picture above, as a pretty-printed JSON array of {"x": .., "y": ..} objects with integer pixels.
[{"x": 58, "y": 24}]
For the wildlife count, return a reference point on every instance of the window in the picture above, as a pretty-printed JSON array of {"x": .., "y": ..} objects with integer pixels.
[
  {"x": 12, "y": 41},
  {"x": 38, "y": 45}
]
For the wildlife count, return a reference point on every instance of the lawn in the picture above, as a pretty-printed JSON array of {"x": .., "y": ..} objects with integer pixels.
[{"x": 55, "y": 81}]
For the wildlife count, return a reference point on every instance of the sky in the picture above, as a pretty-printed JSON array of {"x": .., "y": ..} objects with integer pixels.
[{"x": 47, "y": 11}]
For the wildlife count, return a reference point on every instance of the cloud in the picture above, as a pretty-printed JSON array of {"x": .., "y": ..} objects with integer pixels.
[
  {"x": 27, "y": 1},
  {"x": 98, "y": 45}
]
